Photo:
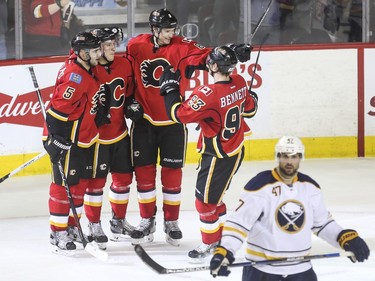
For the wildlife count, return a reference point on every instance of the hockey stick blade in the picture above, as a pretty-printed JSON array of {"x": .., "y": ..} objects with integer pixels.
[
  {"x": 162, "y": 270},
  {"x": 148, "y": 260},
  {"x": 96, "y": 252},
  {"x": 159, "y": 268}
]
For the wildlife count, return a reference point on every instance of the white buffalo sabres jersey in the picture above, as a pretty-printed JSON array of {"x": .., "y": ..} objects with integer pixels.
[{"x": 277, "y": 221}]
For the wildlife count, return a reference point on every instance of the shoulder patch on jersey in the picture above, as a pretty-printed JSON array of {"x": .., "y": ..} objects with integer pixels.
[
  {"x": 75, "y": 77},
  {"x": 305, "y": 178},
  {"x": 196, "y": 103},
  {"x": 260, "y": 180},
  {"x": 205, "y": 90}
]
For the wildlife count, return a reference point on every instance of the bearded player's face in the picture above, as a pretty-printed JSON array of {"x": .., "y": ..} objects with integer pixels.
[{"x": 289, "y": 164}]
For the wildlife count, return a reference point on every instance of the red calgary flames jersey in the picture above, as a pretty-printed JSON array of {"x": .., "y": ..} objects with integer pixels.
[
  {"x": 149, "y": 64},
  {"x": 118, "y": 77},
  {"x": 219, "y": 110},
  {"x": 75, "y": 99}
]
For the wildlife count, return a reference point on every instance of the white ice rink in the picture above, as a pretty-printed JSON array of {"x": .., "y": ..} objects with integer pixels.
[{"x": 348, "y": 186}]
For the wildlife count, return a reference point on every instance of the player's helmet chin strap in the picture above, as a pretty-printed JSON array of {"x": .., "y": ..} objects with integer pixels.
[
  {"x": 104, "y": 57},
  {"x": 155, "y": 38}
]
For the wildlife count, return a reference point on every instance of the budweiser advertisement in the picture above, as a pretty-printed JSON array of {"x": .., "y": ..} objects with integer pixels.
[
  {"x": 21, "y": 118},
  {"x": 23, "y": 109}
]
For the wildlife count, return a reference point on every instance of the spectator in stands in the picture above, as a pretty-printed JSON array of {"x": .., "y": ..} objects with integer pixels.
[
  {"x": 226, "y": 20},
  {"x": 45, "y": 29},
  {"x": 355, "y": 21},
  {"x": 304, "y": 22},
  {"x": 270, "y": 24}
]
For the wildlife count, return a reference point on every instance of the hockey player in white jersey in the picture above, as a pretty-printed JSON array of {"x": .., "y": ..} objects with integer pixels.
[{"x": 276, "y": 214}]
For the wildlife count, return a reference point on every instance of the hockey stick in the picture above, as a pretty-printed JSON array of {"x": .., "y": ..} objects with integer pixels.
[
  {"x": 259, "y": 23},
  {"x": 256, "y": 61},
  {"x": 89, "y": 247},
  {"x": 162, "y": 270},
  {"x": 23, "y": 166}
]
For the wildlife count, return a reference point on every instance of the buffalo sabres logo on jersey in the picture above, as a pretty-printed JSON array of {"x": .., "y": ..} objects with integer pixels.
[
  {"x": 151, "y": 71},
  {"x": 290, "y": 216}
]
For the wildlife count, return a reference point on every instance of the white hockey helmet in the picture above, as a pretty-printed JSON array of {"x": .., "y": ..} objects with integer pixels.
[{"x": 290, "y": 145}]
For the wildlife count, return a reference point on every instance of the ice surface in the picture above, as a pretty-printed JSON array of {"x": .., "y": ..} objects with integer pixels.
[{"x": 348, "y": 186}]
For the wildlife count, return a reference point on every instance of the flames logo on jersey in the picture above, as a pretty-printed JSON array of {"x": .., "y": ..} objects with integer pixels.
[
  {"x": 110, "y": 95},
  {"x": 98, "y": 100},
  {"x": 290, "y": 216},
  {"x": 151, "y": 71}
]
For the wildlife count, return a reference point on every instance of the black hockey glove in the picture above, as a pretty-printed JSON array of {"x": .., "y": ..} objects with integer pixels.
[
  {"x": 133, "y": 110},
  {"x": 169, "y": 81},
  {"x": 351, "y": 242},
  {"x": 57, "y": 147},
  {"x": 242, "y": 51},
  {"x": 220, "y": 261},
  {"x": 189, "y": 70},
  {"x": 103, "y": 105},
  {"x": 254, "y": 96}
]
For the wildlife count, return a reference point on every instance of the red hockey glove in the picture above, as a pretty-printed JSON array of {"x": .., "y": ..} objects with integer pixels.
[
  {"x": 351, "y": 242},
  {"x": 220, "y": 261}
]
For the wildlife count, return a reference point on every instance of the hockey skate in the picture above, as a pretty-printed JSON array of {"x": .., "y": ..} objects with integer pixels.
[
  {"x": 143, "y": 233},
  {"x": 62, "y": 243},
  {"x": 121, "y": 229},
  {"x": 97, "y": 235},
  {"x": 173, "y": 233},
  {"x": 203, "y": 250},
  {"x": 73, "y": 232}
]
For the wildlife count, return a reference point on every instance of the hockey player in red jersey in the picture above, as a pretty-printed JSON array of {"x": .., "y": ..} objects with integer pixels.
[
  {"x": 156, "y": 135},
  {"x": 71, "y": 133},
  {"x": 151, "y": 53},
  {"x": 276, "y": 216},
  {"x": 219, "y": 109},
  {"x": 113, "y": 146}
]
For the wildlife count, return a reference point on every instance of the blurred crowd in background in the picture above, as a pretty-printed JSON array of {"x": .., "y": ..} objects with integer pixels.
[{"x": 29, "y": 30}]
